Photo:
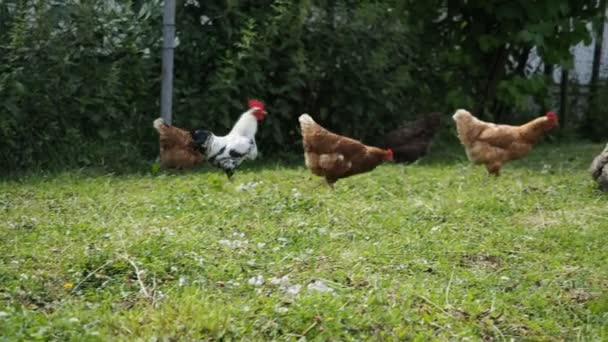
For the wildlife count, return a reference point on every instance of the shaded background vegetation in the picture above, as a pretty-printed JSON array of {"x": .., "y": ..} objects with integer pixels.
[{"x": 80, "y": 80}]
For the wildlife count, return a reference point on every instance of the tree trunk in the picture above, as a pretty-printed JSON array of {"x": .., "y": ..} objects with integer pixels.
[
  {"x": 563, "y": 98},
  {"x": 502, "y": 112},
  {"x": 549, "y": 79},
  {"x": 496, "y": 70},
  {"x": 522, "y": 61}
]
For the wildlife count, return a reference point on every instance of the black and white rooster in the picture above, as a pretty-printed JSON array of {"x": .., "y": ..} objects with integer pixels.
[{"x": 229, "y": 151}]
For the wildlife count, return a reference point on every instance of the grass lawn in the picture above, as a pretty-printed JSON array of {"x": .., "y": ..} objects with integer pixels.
[{"x": 436, "y": 250}]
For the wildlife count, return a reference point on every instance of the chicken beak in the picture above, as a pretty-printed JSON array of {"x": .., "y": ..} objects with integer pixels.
[{"x": 259, "y": 113}]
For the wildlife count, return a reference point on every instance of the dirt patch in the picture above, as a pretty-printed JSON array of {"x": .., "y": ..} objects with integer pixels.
[{"x": 484, "y": 261}]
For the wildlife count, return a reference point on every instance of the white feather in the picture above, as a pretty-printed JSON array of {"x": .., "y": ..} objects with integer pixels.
[
  {"x": 246, "y": 126},
  {"x": 240, "y": 139},
  {"x": 305, "y": 119},
  {"x": 158, "y": 123},
  {"x": 460, "y": 113}
]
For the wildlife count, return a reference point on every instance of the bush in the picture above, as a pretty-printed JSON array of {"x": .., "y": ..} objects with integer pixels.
[
  {"x": 595, "y": 126},
  {"x": 349, "y": 64},
  {"x": 80, "y": 80},
  {"x": 77, "y": 72},
  {"x": 73, "y": 75}
]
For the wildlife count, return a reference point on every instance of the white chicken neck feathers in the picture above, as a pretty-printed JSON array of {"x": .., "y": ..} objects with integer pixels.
[{"x": 247, "y": 125}]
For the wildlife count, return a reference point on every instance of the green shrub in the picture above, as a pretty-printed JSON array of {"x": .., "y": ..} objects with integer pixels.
[
  {"x": 80, "y": 80},
  {"x": 73, "y": 74},
  {"x": 349, "y": 65}
]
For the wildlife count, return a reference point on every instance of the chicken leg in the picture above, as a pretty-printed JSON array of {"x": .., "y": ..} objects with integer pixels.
[
  {"x": 229, "y": 174},
  {"x": 494, "y": 169}
]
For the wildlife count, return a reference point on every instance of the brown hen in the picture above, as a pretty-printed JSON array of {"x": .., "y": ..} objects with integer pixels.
[
  {"x": 493, "y": 145},
  {"x": 177, "y": 148},
  {"x": 333, "y": 156}
]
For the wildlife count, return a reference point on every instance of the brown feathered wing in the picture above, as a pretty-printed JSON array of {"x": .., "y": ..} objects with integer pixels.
[
  {"x": 334, "y": 156},
  {"x": 177, "y": 149}
]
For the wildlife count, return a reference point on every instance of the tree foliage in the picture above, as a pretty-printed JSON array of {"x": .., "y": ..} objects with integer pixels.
[
  {"x": 74, "y": 73},
  {"x": 485, "y": 47},
  {"x": 79, "y": 80}
]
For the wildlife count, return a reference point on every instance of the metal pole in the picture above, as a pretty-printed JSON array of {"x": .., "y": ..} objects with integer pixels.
[{"x": 166, "y": 93}]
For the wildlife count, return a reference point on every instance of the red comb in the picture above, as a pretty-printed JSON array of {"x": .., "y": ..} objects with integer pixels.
[
  {"x": 256, "y": 104},
  {"x": 552, "y": 116},
  {"x": 389, "y": 153}
]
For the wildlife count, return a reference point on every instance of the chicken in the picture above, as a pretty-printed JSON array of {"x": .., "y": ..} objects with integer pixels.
[
  {"x": 599, "y": 169},
  {"x": 333, "y": 156},
  {"x": 494, "y": 145},
  {"x": 177, "y": 149},
  {"x": 412, "y": 140},
  {"x": 228, "y": 152}
]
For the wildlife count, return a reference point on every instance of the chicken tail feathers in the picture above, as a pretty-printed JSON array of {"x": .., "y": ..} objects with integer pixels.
[
  {"x": 308, "y": 125},
  {"x": 159, "y": 124},
  {"x": 305, "y": 119}
]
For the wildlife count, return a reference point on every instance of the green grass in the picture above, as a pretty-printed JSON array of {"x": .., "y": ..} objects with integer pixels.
[{"x": 435, "y": 250}]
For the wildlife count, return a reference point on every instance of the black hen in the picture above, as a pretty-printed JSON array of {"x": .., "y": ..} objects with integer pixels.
[{"x": 412, "y": 140}]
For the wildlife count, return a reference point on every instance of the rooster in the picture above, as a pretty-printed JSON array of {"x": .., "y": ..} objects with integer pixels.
[
  {"x": 333, "y": 156},
  {"x": 412, "y": 140},
  {"x": 494, "y": 145},
  {"x": 599, "y": 169},
  {"x": 177, "y": 149},
  {"x": 228, "y": 152}
]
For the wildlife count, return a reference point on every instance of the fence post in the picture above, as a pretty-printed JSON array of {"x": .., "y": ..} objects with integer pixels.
[
  {"x": 597, "y": 62},
  {"x": 166, "y": 93}
]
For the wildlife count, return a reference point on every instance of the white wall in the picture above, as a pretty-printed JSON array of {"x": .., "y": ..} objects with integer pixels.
[{"x": 583, "y": 61}]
